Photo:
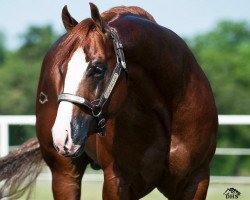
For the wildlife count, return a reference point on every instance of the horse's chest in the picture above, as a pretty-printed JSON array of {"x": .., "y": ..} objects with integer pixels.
[{"x": 141, "y": 163}]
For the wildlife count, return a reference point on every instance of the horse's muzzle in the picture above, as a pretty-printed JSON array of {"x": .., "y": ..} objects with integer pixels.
[
  {"x": 76, "y": 152},
  {"x": 70, "y": 141}
]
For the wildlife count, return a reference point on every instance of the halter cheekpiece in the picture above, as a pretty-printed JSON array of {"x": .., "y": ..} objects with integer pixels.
[{"x": 95, "y": 107}]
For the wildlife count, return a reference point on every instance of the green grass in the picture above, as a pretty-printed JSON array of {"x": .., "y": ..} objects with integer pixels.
[{"x": 93, "y": 191}]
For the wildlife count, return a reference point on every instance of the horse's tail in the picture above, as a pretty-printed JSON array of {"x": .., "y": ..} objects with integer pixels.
[{"x": 19, "y": 170}]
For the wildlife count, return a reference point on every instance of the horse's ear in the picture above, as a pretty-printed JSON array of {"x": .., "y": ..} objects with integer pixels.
[
  {"x": 95, "y": 15},
  {"x": 68, "y": 21}
]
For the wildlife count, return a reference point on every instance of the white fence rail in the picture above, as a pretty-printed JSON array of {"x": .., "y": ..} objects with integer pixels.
[{"x": 7, "y": 120}]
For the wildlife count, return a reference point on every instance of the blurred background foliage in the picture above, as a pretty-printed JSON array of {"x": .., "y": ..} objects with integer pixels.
[
  {"x": 223, "y": 53},
  {"x": 19, "y": 72}
]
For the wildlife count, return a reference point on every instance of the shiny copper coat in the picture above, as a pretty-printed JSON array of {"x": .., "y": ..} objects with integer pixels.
[{"x": 162, "y": 119}]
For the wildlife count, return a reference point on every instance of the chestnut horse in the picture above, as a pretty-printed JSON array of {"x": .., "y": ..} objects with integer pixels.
[{"x": 120, "y": 92}]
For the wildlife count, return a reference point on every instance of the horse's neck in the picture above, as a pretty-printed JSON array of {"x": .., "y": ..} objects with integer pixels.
[
  {"x": 159, "y": 64},
  {"x": 159, "y": 79},
  {"x": 146, "y": 109},
  {"x": 159, "y": 52}
]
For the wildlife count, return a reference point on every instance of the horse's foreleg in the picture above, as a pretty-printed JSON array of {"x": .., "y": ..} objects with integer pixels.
[
  {"x": 114, "y": 187},
  {"x": 66, "y": 178},
  {"x": 197, "y": 186},
  {"x": 193, "y": 187},
  {"x": 65, "y": 186},
  {"x": 111, "y": 185}
]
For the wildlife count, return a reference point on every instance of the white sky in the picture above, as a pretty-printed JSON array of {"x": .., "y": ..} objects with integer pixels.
[{"x": 185, "y": 17}]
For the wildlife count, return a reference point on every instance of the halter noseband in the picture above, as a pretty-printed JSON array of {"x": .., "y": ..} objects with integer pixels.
[{"x": 96, "y": 107}]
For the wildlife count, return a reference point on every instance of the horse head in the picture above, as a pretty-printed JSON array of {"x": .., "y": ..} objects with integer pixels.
[{"x": 92, "y": 81}]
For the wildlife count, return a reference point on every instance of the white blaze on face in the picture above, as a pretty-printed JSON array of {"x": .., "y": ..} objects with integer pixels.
[{"x": 61, "y": 130}]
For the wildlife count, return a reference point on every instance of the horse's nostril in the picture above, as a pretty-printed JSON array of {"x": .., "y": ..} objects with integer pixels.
[
  {"x": 56, "y": 147},
  {"x": 66, "y": 149},
  {"x": 67, "y": 137}
]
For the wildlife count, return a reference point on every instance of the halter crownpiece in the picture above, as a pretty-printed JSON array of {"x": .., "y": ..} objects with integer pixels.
[
  {"x": 118, "y": 47},
  {"x": 95, "y": 108}
]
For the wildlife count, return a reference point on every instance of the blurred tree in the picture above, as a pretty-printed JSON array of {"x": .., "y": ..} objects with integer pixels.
[
  {"x": 2, "y": 49},
  {"x": 224, "y": 55},
  {"x": 19, "y": 74},
  {"x": 18, "y": 85},
  {"x": 19, "y": 77},
  {"x": 36, "y": 42}
]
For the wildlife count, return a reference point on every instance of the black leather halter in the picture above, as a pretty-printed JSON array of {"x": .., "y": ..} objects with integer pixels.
[{"x": 95, "y": 107}]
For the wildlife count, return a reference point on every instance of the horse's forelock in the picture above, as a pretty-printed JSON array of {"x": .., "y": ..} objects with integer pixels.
[
  {"x": 76, "y": 37},
  {"x": 72, "y": 40}
]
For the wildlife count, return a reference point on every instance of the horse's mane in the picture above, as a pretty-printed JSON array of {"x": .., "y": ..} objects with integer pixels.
[
  {"x": 115, "y": 12},
  {"x": 69, "y": 42}
]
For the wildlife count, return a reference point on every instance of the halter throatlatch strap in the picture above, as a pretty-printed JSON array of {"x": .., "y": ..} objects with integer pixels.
[
  {"x": 118, "y": 49},
  {"x": 95, "y": 108}
]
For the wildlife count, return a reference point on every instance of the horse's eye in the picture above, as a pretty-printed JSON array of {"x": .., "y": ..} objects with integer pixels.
[{"x": 97, "y": 70}]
